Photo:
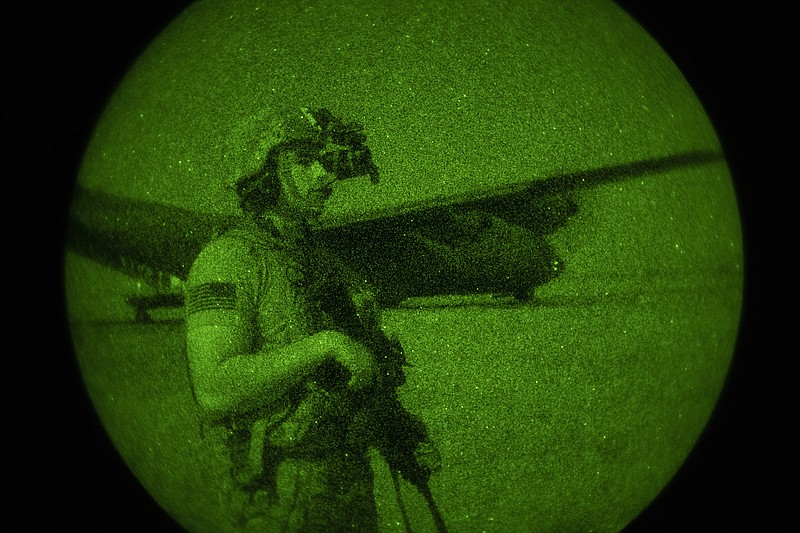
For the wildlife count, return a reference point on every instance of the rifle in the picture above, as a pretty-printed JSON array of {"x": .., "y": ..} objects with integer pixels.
[{"x": 400, "y": 436}]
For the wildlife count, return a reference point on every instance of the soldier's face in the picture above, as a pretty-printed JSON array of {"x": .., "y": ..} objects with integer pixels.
[{"x": 306, "y": 184}]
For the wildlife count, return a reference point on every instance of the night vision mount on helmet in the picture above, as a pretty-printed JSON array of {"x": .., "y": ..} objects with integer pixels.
[{"x": 343, "y": 151}]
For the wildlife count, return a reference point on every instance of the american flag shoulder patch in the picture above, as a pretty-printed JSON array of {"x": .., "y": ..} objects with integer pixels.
[{"x": 214, "y": 296}]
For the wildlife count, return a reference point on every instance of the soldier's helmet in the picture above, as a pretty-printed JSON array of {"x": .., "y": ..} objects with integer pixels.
[{"x": 255, "y": 146}]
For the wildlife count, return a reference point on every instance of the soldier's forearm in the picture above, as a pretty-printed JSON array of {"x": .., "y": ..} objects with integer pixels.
[{"x": 244, "y": 382}]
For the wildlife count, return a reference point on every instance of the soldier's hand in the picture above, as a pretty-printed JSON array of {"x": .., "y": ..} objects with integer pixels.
[{"x": 356, "y": 358}]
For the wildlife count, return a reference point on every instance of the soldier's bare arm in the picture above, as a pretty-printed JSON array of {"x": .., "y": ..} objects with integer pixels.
[{"x": 228, "y": 380}]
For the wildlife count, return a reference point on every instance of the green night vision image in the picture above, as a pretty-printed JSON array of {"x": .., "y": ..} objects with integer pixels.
[{"x": 394, "y": 266}]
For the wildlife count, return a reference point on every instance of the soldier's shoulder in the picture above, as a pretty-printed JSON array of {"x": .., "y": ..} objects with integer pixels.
[
  {"x": 226, "y": 248},
  {"x": 224, "y": 257}
]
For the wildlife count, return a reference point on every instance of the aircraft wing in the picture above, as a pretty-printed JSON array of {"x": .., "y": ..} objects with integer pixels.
[
  {"x": 513, "y": 202},
  {"x": 138, "y": 237},
  {"x": 493, "y": 242}
]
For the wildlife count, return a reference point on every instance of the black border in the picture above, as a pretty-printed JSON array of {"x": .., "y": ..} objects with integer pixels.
[{"x": 63, "y": 62}]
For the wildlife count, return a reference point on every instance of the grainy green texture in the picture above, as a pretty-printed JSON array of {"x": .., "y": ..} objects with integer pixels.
[{"x": 567, "y": 416}]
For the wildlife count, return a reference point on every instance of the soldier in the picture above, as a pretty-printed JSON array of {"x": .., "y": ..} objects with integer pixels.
[{"x": 284, "y": 347}]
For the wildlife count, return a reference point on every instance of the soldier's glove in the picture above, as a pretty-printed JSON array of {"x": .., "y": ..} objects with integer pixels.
[{"x": 428, "y": 457}]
